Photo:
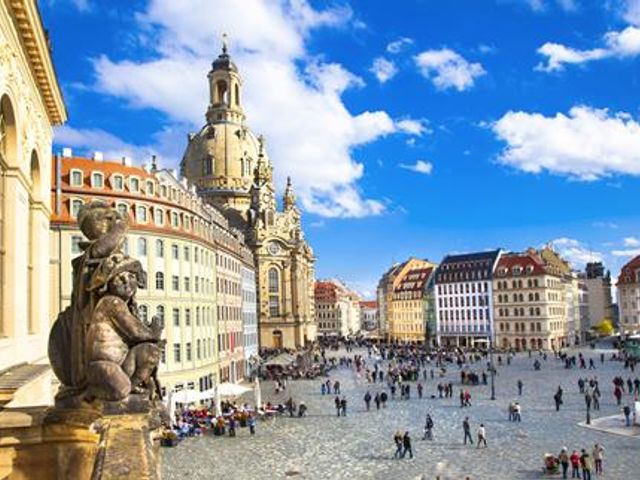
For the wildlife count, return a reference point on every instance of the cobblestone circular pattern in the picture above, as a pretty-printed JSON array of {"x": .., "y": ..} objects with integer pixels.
[{"x": 360, "y": 445}]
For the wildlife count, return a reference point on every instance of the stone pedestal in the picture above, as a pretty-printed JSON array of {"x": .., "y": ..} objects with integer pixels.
[{"x": 97, "y": 442}]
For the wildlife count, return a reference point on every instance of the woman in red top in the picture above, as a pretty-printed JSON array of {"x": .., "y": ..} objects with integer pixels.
[{"x": 575, "y": 464}]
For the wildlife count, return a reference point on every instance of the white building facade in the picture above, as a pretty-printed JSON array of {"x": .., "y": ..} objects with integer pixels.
[
  {"x": 464, "y": 299},
  {"x": 249, "y": 319}
]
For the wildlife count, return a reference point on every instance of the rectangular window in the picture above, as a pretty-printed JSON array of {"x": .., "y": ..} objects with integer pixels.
[
  {"x": 75, "y": 207},
  {"x": 75, "y": 245},
  {"x": 123, "y": 210},
  {"x": 175, "y": 283},
  {"x": 188, "y": 351},
  {"x": 187, "y": 285},
  {"x": 187, "y": 317},
  {"x": 176, "y": 317},
  {"x": 176, "y": 352},
  {"x": 141, "y": 214},
  {"x": 175, "y": 252},
  {"x": 186, "y": 254}
]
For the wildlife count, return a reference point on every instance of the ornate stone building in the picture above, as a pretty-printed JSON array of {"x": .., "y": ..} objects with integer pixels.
[
  {"x": 629, "y": 296},
  {"x": 231, "y": 169},
  {"x": 194, "y": 262},
  {"x": 30, "y": 104}
]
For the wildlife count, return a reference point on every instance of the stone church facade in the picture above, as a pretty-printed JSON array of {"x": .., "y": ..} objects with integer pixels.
[{"x": 231, "y": 169}]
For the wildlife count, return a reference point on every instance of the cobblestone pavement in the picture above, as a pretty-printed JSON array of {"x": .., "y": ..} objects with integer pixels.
[{"x": 360, "y": 445}]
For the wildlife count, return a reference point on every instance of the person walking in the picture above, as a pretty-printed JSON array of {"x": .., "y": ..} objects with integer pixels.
[
  {"x": 252, "y": 424},
  {"x": 585, "y": 463},
  {"x": 520, "y": 385},
  {"x": 406, "y": 443},
  {"x": 428, "y": 428},
  {"x": 598, "y": 456},
  {"x": 376, "y": 400},
  {"x": 338, "y": 405},
  {"x": 397, "y": 439},
  {"x": 517, "y": 409},
  {"x": 563, "y": 458},
  {"x": 575, "y": 464},
  {"x": 466, "y": 427},
  {"x": 626, "y": 410},
  {"x": 482, "y": 436},
  {"x": 419, "y": 387},
  {"x": 367, "y": 399},
  {"x": 343, "y": 406},
  {"x": 557, "y": 398}
]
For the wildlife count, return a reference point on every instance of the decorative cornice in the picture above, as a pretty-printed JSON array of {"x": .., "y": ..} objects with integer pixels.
[{"x": 36, "y": 48}]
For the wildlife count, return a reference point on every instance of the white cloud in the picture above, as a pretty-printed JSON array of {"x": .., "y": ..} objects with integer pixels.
[
  {"x": 413, "y": 127},
  {"x": 399, "y": 45},
  {"x": 631, "y": 242},
  {"x": 448, "y": 69},
  {"x": 314, "y": 135},
  {"x": 630, "y": 252},
  {"x": 631, "y": 11},
  {"x": 586, "y": 144},
  {"x": 575, "y": 252},
  {"x": 617, "y": 44},
  {"x": 601, "y": 224},
  {"x": 383, "y": 69},
  {"x": 542, "y": 5},
  {"x": 419, "y": 167}
]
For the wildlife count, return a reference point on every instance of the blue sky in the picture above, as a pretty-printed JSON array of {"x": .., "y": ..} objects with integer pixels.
[{"x": 433, "y": 127}]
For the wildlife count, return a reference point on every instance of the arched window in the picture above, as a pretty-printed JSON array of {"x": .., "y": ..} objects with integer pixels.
[
  {"x": 237, "y": 92},
  {"x": 159, "y": 281},
  {"x": 142, "y": 247},
  {"x": 222, "y": 92},
  {"x": 274, "y": 292},
  {"x": 76, "y": 205},
  {"x": 159, "y": 249}
]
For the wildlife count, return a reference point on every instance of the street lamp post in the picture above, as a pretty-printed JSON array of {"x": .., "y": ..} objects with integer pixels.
[{"x": 493, "y": 368}]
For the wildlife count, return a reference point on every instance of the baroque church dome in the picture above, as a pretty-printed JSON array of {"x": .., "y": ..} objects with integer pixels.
[{"x": 220, "y": 159}]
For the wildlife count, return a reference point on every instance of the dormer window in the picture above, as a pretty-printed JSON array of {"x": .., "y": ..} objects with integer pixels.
[
  {"x": 117, "y": 181},
  {"x": 134, "y": 184},
  {"x": 517, "y": 270},
  {"x": 163, "y": 191},
  {"x": 97, "y": 180},
  {"x": 529, "y": 269},
  {"x": 77, "y": 178},
  {"x": 151, "y": 188}
]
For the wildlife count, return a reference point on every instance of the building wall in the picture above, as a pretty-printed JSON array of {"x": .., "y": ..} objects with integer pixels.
[
  {"x": 629, "y": 296},
  {"x": 249, "y": 318},
  {"x": 30, "y": 103},
  {"x": 180, "y": 242},
  {"x": 530, "y": 312}
]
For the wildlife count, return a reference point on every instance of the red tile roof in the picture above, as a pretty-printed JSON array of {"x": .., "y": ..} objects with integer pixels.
[
  {"x": 630, "y": 272},
  {"x": 530, "y": 263},
  {"x": 369, "y": 304}
]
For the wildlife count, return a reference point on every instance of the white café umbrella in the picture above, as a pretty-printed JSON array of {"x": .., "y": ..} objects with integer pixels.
[
  {"x": 228, "y": 389},
  {"x": 258, "y": 394},
  {"x": 186, "y": 396}
]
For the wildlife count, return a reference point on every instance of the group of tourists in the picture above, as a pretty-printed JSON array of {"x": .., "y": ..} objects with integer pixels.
[{"x": 581, "y": 463}]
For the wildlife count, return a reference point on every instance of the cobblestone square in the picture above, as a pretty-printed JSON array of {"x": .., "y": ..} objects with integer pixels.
[{"x": 360, "y": 445}]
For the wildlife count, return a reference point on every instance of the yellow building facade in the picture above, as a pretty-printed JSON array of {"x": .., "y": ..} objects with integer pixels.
[
  {"x": 530, "y": 301},
  {"x": 30, "y": 104},
  {"x": 231, "y": 169},
  {"x": 407, "y": 307}
]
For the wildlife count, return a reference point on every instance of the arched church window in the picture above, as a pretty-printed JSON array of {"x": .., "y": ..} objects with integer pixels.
[
  {"x": 222, "y": 92},
  {"x": 237, "y": 92},
  {"x": 274, "y": 292}
]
